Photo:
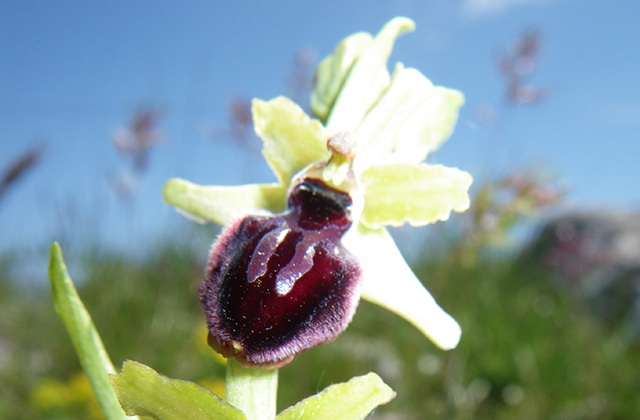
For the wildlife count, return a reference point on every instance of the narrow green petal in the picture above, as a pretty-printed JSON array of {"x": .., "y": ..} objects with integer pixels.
[
  {"x": 223, "y": 204},
  {"x": 332, "y": 71},
  {"x": 142, "y": 391},
  {"x": 367, "y": 79},
  {"x": 85, "y": 338},
  {"x": 418, "y": 194},
  {"x": 292, "y": 140},
  {"x": 410, "y": 120},
  {"x": 390, "y": 283},
  {"x": 352, "y": 400}
]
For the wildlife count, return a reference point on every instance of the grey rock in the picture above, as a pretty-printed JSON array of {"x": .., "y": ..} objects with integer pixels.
[{"x": 595, "y": 254}]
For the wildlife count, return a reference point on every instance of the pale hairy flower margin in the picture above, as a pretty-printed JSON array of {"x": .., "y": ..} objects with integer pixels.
[{"x": 396, "y": 120}]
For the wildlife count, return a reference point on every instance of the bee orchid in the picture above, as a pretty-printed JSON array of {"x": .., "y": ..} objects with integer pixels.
[{"x": 288, "y": 270}]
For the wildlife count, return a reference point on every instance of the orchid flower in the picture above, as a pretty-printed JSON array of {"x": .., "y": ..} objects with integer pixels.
[{"x": 287, "y": 272}]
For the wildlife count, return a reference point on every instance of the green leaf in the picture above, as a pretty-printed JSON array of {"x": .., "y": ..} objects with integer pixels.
[
  {"x": 411, "y": 119},
  {"x": 223, "y": 204},
  {"x": 367, "y": 79},
  {"x": 86, "y": 340},
  {"x": 292, "y": 140},
  {"x": 389, "y": 282},
  {"x": 417, "y": 194},
  {"x": 142, "y": 391},
  {"x": 332, "y": 71},
  {"x": 352, "y": 400}
]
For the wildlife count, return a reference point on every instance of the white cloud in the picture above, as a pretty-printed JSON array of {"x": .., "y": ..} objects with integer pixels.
[{"x": 475, "y": 9}]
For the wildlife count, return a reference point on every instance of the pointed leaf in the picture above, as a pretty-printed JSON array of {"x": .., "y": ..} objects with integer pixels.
[
  {"x": 390, "y": 283},
  {"x": 332, "y": 71},
  {"x": 86, "y": 340},
  {"x": 222, "y": 204},
  {"x": 292, "y": 140},
  {"x": 367, "y": 79},
  {"x": 417, "y": 194},
  {"x": 142, "y": 391},
  {"x": 352, "y": 400}
]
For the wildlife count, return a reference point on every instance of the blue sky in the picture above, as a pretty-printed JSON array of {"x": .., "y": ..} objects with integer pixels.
[{"x": 71, "y": 73}]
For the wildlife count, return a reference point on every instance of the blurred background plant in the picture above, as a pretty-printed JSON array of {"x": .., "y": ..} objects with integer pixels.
[
  {"x": 239, "y": 124},
  {"x": 134, "y": 144},
  {"x": 517, "y": 65},
  {"x": 501, "y": 205},
  {"x": 18, "y": 168},
  {"x": 530, "y": 349}
]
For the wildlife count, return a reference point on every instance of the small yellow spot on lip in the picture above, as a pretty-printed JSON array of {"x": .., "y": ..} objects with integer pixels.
[{"x": 237, "y": 346}]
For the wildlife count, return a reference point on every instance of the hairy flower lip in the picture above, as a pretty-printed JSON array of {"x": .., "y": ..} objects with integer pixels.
[
  {"x": 230, "y": 351},
  {"x": 280, "y": 284}
]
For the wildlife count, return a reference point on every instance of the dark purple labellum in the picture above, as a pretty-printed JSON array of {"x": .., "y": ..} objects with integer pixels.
[{"x": 278, "y": 285}]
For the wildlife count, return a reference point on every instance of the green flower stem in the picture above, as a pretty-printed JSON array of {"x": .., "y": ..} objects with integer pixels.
[{"x": 252, "y": 390}]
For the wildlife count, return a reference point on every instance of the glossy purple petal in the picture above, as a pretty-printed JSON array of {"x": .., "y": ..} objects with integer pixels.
[{"x": 278, "y": 285}]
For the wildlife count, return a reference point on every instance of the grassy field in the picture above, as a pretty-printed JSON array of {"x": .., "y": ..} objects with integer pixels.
[{"x": 528, "y": 350}]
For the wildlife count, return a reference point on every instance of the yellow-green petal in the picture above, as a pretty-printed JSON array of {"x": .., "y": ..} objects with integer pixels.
[
  {"x": 389, "y": 282},
  {"x": 142, "y": 391},
  {"x": 352, "y": 400},
  {"x": 401, "y": 193},
  {"x": 291, "y": 139},
  {"x": 332, "y": 71},
  {"x": 223, "y": 204},
  {"x": 367, "y": 79}
]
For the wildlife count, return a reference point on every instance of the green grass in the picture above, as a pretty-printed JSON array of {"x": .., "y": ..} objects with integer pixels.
[{"x": 528, "y": 351}]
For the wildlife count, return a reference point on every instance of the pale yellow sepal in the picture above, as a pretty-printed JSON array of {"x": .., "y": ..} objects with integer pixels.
[
  {"x": 332, "y": 71},
  {"x": 367, "y": 79},
  {"x": 389, "y": 282},
  {"x": 223, "y": 204},
  {"x": 410, "y": 120}
]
